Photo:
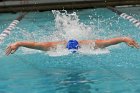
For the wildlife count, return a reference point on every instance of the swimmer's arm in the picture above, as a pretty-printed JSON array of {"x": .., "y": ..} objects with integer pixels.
[
  {"x": 105, "y": 43},
  {"x": 33, "y": 45}
]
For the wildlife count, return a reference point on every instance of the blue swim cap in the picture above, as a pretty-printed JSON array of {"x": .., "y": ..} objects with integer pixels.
[{"x": 72, "y": 45}]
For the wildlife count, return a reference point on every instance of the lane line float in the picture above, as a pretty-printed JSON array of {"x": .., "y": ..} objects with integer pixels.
[
  {"x": 6, "y": 32},
  {"x": 126, "y": 16}
]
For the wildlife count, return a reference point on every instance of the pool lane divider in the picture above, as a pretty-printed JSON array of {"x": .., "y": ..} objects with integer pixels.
[
  {"x": 8, "y": 30},
  {"x": 126, "y": 16}
]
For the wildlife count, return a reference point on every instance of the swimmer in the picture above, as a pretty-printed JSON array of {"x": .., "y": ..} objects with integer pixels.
[{"x": 73, "y": 45}]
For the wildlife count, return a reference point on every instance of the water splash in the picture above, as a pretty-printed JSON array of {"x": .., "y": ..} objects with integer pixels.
[{"x": 68, "y": 26}]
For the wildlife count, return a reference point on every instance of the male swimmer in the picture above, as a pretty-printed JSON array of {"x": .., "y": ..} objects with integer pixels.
[{"x": 72, "y": 45}]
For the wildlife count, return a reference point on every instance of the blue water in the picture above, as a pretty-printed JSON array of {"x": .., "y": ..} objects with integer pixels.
[{"x": 31, "y": 71}]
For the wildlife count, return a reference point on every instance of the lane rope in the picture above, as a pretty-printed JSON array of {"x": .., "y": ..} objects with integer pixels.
[
  {"x": 6, "y": 32},
  {"x": 126, "y": 16}
]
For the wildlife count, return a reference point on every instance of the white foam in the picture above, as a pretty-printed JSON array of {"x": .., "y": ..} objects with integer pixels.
[
  {"x": 29, "y": 51},
  {"x": 60, "y": 50},
  {"x": 91, "y": 50},
  {"x": 69, "y": 26}
]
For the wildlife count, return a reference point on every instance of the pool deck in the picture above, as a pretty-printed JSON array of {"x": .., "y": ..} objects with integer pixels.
[{"x": 44, "y": 5}]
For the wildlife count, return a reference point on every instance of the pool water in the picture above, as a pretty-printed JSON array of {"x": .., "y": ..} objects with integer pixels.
[{"x": 111, "y": 70}]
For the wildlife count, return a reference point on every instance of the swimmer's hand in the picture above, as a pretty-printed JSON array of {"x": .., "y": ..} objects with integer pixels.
[
  {"x": 11, "y": 48},
  {"x": 130, "y": 42}
]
